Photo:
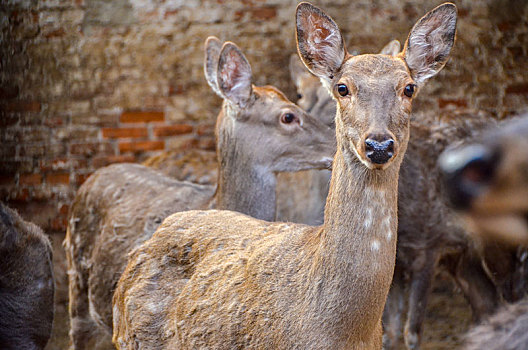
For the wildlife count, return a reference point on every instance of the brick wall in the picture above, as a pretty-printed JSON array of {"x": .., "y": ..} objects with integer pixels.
[{"x": 86, "y": 83}]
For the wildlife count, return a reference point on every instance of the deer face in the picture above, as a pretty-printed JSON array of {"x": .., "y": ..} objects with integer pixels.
[
  {"x": 260, "y": 124},
  {"x": 488, "y": 183},
  {"x": 374, "y": 92}
]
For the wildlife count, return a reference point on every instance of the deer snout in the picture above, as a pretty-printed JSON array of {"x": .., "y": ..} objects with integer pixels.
[
  {"x": 467, "y": 173},
  {"x": 379, "y": 148}
]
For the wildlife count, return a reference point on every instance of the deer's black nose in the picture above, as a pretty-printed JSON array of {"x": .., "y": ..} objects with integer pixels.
[
  {"x": 379, "y": 148},
  {"x": 467, "y": 171}
]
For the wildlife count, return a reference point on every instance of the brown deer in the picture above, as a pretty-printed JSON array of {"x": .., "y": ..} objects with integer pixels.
[
  {"x": 26, "y": 283},
  {"x": 259, "y": 132},
  {"x": 219, "y": 279},
  {"x": 487, "y": 182},
  {"x": 427, "y": 229}
]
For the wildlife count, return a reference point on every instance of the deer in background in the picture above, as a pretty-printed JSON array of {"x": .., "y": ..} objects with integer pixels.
[
  {"x": 259, "y": 132},
  {"x": 487, "y": 182},
  {"x": 219, "y": 279},
  {"x": 26, "y": 283}
]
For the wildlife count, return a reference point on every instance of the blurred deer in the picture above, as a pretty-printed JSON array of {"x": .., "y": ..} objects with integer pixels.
[
  {"x": 259, "y": 132},
  {"x": 26, "y": 283},
  {"x": 220, "y": 279},
  {"x": 487, "y": 182}
]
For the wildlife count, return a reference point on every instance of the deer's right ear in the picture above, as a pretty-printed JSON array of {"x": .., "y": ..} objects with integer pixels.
[
  {"x": 392, "y": 48},
  {"x": 212, "y": 54},
  {"x": 234, "y": 75},
  {"x": 319, "y": 41}
]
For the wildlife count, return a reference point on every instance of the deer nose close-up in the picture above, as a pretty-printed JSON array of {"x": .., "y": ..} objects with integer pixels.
[{"x": 379, "y": 149}]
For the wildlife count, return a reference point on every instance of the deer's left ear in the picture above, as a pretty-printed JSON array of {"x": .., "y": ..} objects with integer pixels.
[{"x": 430, "y": 41}]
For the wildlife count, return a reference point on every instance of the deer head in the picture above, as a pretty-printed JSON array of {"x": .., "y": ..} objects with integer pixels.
[
  {"x": 487, "y": 181},
  {"x": 312, "y": 96},
  {"x": 260, "y": 124},
  {"x": 374, "y": 93}
]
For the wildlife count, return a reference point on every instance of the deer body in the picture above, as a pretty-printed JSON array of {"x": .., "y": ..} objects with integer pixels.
[
  {"x": 223, "y": 280},
  {"x": 120, "y": 206},
  {"x": 26, "y": 283}
]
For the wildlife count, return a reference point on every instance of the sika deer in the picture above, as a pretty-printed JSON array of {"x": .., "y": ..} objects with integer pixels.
[
  {"x": 219, "y": 279},
  {"x": 427, "y": 230},
  {"x": 488, "y": 184},
  {"x": 259, "y": 132},
  {"x": 26, "y": 283}
]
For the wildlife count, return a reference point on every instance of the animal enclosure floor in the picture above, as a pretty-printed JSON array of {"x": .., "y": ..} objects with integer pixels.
[{"x": 448, "y": 316}]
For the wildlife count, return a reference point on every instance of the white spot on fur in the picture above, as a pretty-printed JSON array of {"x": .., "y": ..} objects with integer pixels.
[
  {"x": 368, "y": 218},
  {"x": 375, "y": 245}
]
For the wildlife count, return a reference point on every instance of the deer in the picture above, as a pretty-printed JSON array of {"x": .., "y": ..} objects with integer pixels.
[
  {"x": 487, "y": 184},
  {"x": 259, "y": 132},
  {"x": 429, "y": 234},
  {"x": 26, "y": 283},
  {"x": 221, "y": 279}
]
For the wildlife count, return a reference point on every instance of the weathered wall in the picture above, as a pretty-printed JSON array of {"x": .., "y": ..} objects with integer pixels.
[{"x": 85, "y": 83}]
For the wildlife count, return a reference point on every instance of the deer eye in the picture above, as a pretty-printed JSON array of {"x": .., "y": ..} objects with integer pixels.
[
  {"x": 299, "y": 96},
  {"x": 409, "y": 90},
  {"x": 342, "y": 90},
  {"x": 287, "y": 118}
]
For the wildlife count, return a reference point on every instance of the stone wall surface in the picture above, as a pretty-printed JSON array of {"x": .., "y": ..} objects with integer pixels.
[{"x": 86, "y": 83}]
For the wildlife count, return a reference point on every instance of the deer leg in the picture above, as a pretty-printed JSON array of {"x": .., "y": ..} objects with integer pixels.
[
  {"x": 392, "y": 314},
  {"x": 476, "y": 285},
  {"x": 421, "y": 277}
]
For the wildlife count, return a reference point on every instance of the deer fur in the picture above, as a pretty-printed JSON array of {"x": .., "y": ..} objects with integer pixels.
[
  {"x": 26, "y": 283},
  {"x": 120, "y": 206},
  {"x": 487, "y": 183},
  {"x": 219, "y": 279}
]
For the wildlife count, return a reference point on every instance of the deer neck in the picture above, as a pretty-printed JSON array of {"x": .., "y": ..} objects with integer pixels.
[
  {"x": 357, "y": 245},
  {"x": 243, "y": 186}
]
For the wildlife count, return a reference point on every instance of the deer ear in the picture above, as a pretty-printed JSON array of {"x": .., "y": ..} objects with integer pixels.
[
  {"x": 298, "y": 71},
  {"x": 212, "y": 54},
  {"x": 319, "y": 41},
  {"x": 430, "y": 41},
  {"x": 234, "y": 75},
  {"x": 392, "y": 48}
]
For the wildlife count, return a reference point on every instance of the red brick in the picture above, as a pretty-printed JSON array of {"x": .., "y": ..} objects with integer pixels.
[
  {"x": 23, "y": 106},
  {"x": 263, "y": 13},
  {"x": 64, "y": 208},
  {"x": 30, "y": 179},
  {"x": 124, "y": 132},
  {"x": 172, "y": 130},
  {"x": 81, "y": 178},
  {"x": 59, "y": 224},
  {"x": 518, "y": 88},
  {"x": 99, "y": 162},
  {"x": 141, "y": 146},
  {"x": 445, "y": 102},
  {"x": 205, "y": 129},
  {"x": 142, "y": 117},
  {"x": 21, "y": 195},
  {"x": 58, "y": 178},
  {"x": 6, "y": 180}
]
